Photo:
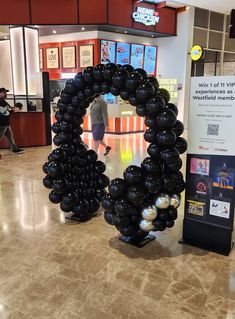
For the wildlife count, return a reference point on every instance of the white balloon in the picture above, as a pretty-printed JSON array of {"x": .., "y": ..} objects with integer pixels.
[
  {"x": 162, "y": 201},
  {"x": 175, "y": 201},
  {"x": 149, "y": 213},
  {"x": 146, "y": 225}
]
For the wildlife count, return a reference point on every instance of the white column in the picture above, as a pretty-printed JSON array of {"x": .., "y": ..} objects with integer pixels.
[{"x": 26, "y": 74}]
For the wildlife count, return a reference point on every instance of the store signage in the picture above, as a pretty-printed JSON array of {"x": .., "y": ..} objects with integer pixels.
[
  {"x": 196, "y": 52},
  {"x": 146, "y": 16},
  {"x": 171, "y": 85}
]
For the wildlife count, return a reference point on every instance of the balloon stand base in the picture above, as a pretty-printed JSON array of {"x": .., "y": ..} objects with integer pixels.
[
  {"x": 134, "y": 242},
  {"x": 75, "y": 218}
]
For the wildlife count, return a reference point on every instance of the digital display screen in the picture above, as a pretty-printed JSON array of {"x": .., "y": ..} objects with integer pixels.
[
  {"x": 108, "y": 51},
  {"x": 150, "y": 58},
  {"x": 123, "y": 53},
  {"x": 137, "y": 55}
]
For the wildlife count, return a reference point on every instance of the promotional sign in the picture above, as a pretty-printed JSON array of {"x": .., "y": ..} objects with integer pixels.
[
  {"x": 171, "y": 85},
  {"x": 212, "y": 115},
  {"x": 107, "y": 51},
  {"x": 150, "y": 59},
  {"x": 137, "y": 55},
  {"x": 196, "y": 52},
  {"x": 146, "y": 16},
  {"x": 123, "y": 53},
  {"x": 210, "y": 169}
]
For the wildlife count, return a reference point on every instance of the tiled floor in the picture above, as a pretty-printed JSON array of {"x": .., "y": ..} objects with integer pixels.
[{"x": 52, "y": 268}]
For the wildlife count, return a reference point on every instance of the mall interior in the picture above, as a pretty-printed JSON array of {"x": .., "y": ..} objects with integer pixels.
[{"x": 143, "y": 226}]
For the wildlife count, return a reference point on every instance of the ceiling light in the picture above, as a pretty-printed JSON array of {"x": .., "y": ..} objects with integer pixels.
[
  {"x": 36, "y": 26},
  {"x": 152, "y": 36},
  {"x": 54, "y": 31},
  {"x": 6, "y": 37},
  {"x": 83, "y": 28},
  {"x": 125, "y": 31}
]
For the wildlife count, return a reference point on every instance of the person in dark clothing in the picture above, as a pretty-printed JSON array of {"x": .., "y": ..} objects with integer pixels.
[{"x": 5, "y": 129}]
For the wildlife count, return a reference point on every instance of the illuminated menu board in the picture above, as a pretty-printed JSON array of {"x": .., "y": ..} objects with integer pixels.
[
  {"x": 137, "y": 55},
  {"x": 150, "y": 58},
  {"x": 123, "y": 53},
  {"x": 108, "y": 51}
]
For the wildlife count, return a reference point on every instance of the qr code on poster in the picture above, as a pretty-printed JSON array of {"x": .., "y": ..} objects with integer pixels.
[{"x": 213, "y": 129}]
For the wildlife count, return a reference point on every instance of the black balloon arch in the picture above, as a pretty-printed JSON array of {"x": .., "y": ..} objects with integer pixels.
[{"x": 147, "y": 197}]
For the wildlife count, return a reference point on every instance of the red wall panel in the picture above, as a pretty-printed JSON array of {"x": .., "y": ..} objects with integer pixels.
[
  {"x": 14, "y": 12},
  {"x": 120, "y": 12},
  {"x": 54, "y": 11},
  {"x": 167, "y": 23},
  {"x": 92, "y": 11}
]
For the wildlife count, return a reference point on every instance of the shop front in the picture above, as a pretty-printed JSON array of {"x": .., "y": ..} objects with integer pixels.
[{"x": 142, "y": 34}]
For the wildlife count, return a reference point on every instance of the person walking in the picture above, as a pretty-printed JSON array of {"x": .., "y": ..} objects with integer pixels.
[
  {"x": 5, "y": 129},
  {"x": 99, "y": 122}
]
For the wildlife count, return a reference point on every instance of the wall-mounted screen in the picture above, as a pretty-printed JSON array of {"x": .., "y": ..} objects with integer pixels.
[
  {"x": 150, "y": 59},
  {"x": 137, "y": 55},
  {"x": 107, "y": 51},
  {"x": 123, "y": 53}
]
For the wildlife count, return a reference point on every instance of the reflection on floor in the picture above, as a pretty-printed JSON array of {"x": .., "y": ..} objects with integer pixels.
[{"x": 52, "y": 268}]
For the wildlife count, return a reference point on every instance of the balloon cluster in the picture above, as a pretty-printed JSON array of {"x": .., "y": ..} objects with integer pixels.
[
  {"x": 147, "y": 197},
  {"x": 74, "y": 174}
]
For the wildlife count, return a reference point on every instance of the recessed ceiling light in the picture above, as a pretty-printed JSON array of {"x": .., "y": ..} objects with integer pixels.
[
  {"x": 6, "y": 37},
  {"x": 152, "y": 36},
  {"x": 125, "y": 31},
  {"x": 83, "y": 28},
  {"x": 36, "y": 26},
  {"x": 54, "y": 31}
]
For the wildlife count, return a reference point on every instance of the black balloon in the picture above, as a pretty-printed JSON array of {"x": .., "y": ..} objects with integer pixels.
[
  {"x": 108, "y": 71},
  {"x": 155, "y": 105},
  {"x": 54, "y": 197},
  {"x": 88, "y": 74},
  {"x": 141, "y": 110},
  {"x": 144, "y": 92},
  {"x": 150, "y": 135},
  {"x": 119, "y": 78},
  {"x": 108, "y": 216},
  {"x": 100, "y": 167},
  {"x": 170, "y": 155},
  {"x": 108, "y": 202},
  {"x": 154, "y": 151},
  {"x": 97, "y": 72},
  {"x": 122, "y": 207},
  {"x": 133, "y": 81},
  {"x": 118, "y": 187},
  {"x": 151, "y": 166},
  {"x": 136, "y": 195},
  {"x": 181, "y": 145},
  {"x": 153, "y": 184},
  {"x": 133, "y": 174},
  {"x": 166, "y": 138},
  {"x": 79, "y": 81},
  {"x": 173, "y": 108},
  {"x": 164, "y": 94},
  {"x": 166, "y": 119}
]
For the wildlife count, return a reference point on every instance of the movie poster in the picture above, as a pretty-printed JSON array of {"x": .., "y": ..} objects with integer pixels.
[{"x": 123, "y": 53}]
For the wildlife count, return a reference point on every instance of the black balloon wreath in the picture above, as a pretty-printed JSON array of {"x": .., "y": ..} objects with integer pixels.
[{"x": 148, "y": 196}]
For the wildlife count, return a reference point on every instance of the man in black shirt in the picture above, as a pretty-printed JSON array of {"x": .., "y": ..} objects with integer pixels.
[{"x": 5, "y": 128}]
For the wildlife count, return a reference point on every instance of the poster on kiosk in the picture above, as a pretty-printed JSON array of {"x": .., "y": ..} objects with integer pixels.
[{"x": 210, "y": 170}]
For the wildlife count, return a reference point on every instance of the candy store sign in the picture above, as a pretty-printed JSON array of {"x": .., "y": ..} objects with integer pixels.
[{"x": 146, "y": 16}]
